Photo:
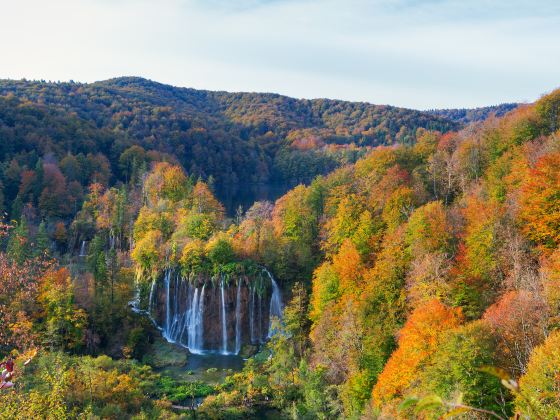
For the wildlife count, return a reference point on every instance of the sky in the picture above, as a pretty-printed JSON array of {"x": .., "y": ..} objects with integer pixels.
[{"x": 419, "y": 54}]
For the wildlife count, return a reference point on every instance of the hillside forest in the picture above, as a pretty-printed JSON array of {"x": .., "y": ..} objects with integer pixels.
[{"x": 418, "y": 261}]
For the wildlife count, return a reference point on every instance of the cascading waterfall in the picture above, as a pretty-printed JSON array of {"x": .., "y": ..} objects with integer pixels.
[
  {"x": 275, "y": 305},
  {"x": 186, "y": 310}
]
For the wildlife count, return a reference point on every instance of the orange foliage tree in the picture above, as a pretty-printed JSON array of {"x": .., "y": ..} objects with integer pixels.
[
  {"x": 418, "y": 340},
  {"x": 518, "y": 320},
  {"x": 540, "y": 202}
]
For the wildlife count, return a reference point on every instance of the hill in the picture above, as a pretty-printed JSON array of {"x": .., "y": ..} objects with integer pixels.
[
  {"x": 231, "y": 136},
  {"x": 467, "y": 116}
]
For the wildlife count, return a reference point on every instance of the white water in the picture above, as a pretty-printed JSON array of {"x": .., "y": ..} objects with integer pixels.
[
  {"x": 198, "y": 345},
  {"x": 224, "y": 320},
  {"x": 252, "y": 316},
  {"x": 151, "y": 298},
  {"x": 83, "y": 249},
  {"x": 275, "y": 305},
  {"x": 167, "y": 326},
  {"x": 182, "y": 317},
  {"x": 238, "y": 318}
]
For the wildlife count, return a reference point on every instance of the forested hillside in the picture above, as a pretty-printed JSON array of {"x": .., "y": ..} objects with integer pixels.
[
  {"x": 434, "y": 277},
  {"x": 108, "y": 131},
  {"x": 467, "y": 116},
  {"x": 420, "y": 281}
]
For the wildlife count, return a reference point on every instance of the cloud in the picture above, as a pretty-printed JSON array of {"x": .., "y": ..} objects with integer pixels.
[
  {"x": 236, "y": 6},
  {"x": 424, "y": 54}
]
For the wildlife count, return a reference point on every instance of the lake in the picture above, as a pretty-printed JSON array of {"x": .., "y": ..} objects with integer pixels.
[{"x": 245, "y": 194}]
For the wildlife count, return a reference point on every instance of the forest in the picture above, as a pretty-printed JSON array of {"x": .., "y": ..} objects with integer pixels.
[
  {"x": 120, "y": 126},
  {"x": 413, "y": 272}
]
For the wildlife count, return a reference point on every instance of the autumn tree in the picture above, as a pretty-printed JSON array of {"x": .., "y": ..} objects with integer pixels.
[
  {"x": 419, "y": 339},
  {"x": 540, "y": 207},
  {"x": 539, "y": 387},
  {"x": 519, "y": 321},
  {"x": 63, "y": 321},
  {"x": 456, "y": 369}
]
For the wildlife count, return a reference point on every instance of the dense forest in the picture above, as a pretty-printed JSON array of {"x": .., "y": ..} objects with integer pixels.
[
  {"x": 468, "y": 116},
  {"x": 420, "y": 278},
  {"x": 232, "y": 137}
]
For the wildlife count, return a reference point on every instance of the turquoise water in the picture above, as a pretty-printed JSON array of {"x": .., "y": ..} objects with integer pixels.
[{"x": 209, "y": 368}]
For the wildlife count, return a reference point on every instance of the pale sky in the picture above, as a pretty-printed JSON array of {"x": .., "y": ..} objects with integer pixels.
[{"x": 414, "y": 53}]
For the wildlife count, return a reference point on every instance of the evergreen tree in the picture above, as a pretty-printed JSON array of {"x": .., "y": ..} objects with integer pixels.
[
  {"x": 18, "y": 244},
  {"x": 39, "y": 179},
  {"x": 17, "y": 208},
  {"x": 42, "y": 241}
]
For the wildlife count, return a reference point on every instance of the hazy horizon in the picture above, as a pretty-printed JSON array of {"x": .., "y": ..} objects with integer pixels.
[{"x": 254, "y": 92}]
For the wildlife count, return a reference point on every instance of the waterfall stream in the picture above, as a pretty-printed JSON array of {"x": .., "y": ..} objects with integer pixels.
[
  {"x": 224, "y": 320},
  {"x": 238, "y": 319},
  {"x": 83, "y": 249},
  {"x": 275, "y": 305}
]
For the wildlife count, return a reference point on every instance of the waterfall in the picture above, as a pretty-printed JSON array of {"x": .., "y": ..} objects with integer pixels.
[
  {"x": 151, "y": 297},
  {"x": 238, "y": 318},
  {"x": 199, "y": 336},
  {"x": 181, "y": 306},
  {"x": 192, "y": 318},
  {"x": 83, "y": 249},
  {"x": 252, "y": 315},
  {"x": 275, "y": 310},
  {"x": 260, "y": 319},
  {"x": 167, "y": 307},
  {"x": 224, "y": 321}
]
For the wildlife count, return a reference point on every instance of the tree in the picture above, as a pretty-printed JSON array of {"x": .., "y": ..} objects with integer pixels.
[
  {"x": 96, "y": 259},
  {"x": 429, "y": 230},
  {"x": 19, "y": 284},
  {"x": 419, "y": 339},
  {"x": 60, "y": 236},
  {"x": 540, "y": 207},
  {"x": 540, "y": 385},
  {"x": 550, "y": 271},
  {"x": 131, "y": 161},
  {"x": 398, "y": 207},
  {"x": 326, "y": 289},
  {"x": 64, "y": 323},
  {"x": 18, "y": 244},
  {"x": 42, "y": 241},
  {"x": 295, "y": 320},
  {"x": 204, "y": 202},
  {"x": 477, "y": 272},
  {"x": 53, "y": 199},
  {"x": 349, "y": 268},
  {"x": 455, "y": 369},
  {"x": 254, "y": 221},
  {"x": 519, "y": 321},
  {"x": 166, "y": 181}
]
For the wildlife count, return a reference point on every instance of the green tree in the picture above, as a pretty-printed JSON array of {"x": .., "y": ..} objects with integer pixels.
[
  {"x": 539, "y": 395},
  {"x": 456, "y": 369},
  {"x": 42, "y": 241},
  {"x": 18, "y": 244}
]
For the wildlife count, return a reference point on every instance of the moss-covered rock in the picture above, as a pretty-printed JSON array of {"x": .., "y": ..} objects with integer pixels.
[{"x": 162, "y": 354}]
